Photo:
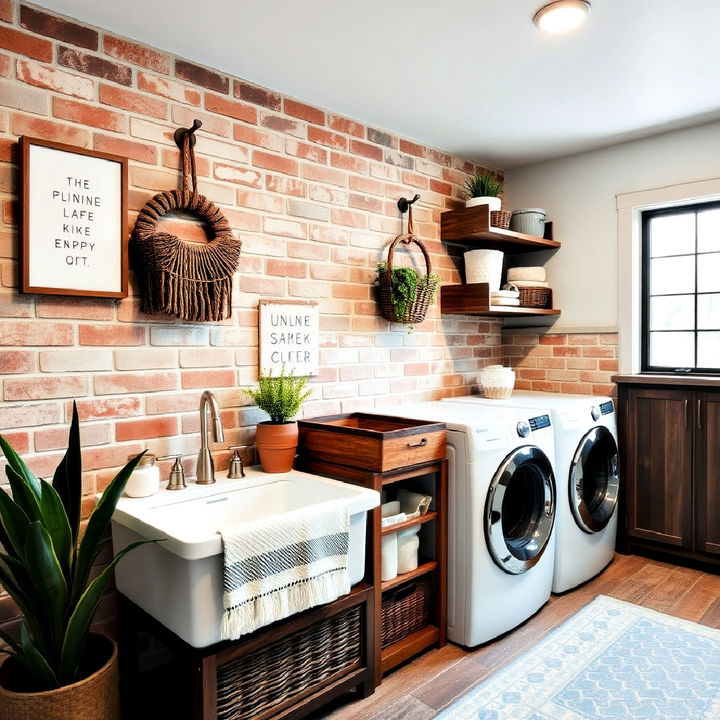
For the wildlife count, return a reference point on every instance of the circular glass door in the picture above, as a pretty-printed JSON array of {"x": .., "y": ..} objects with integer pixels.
[
  {"x": 594, "y": 482},
  {"x": 520, "y": 509}
]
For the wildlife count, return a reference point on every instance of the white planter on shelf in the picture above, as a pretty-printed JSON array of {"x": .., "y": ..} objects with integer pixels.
[{"x": 493, "y": 203}]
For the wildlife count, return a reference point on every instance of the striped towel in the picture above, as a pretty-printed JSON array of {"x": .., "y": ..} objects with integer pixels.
[{"x": 276, "y": 567}]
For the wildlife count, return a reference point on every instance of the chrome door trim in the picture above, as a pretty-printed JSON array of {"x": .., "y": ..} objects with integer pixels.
[{"x": 515, "y": 561}]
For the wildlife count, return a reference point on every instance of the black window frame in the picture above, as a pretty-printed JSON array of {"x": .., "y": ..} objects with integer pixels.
[{"x": 646, "y": 216}]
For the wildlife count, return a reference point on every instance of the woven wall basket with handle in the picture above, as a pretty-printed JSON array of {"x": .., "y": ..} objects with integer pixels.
[
  {"x": 416, "y": 308},
  {"x": 189, "y": 280}
]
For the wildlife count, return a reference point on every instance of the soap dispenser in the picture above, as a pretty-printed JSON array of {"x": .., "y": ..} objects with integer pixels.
[
  {"x": 145, "y": 478},
  {"x": 236, "y": 469},
  {"x": 177, "y": 474}
]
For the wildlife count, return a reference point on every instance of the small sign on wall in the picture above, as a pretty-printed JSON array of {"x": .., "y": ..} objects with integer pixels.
[
  {"x": 74, "y": 204},
  {"x": 289, "y": 336}
]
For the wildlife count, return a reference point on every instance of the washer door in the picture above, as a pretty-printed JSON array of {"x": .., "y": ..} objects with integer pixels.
[
  {"x": 594, "y": 482},
  {"x": 520, "y": 510}
]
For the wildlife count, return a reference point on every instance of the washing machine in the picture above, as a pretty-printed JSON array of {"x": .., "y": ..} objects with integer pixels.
[
  {"x": 586, "y": 461},
  {"x": 501, "y": 514}
]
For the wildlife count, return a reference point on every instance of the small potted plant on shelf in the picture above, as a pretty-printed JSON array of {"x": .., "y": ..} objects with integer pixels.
[
  {"x": 484, "y": 189},
  {"x": 280, "y": 396},
  {"x": 57, "y": 669}
]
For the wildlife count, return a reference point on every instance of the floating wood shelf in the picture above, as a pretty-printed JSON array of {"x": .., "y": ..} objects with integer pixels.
[
  {"x": 409, "y": 523},
  {"x": 474, "y": 299},
  {"x": 422, "y": 569},
  {"x": 472, "y": 226}
]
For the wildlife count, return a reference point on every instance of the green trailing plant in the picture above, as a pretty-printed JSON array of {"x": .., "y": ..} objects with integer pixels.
[
  {"x": 280, "y": 396},
  {"x": 405, "y": 283},
  {"x": 46, "y": 567},
  {"x": 483, "y": 185}
]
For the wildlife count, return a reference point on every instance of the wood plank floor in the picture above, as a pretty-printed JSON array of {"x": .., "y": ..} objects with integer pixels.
[{"x": 422, "y": 688}]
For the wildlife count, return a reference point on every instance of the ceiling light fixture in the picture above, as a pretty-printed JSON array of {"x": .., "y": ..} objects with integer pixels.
[{"x": 562, "y": 16}]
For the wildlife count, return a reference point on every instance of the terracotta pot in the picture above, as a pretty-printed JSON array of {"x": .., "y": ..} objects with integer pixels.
[
  {"x": 277, "y": 444},
  {"x": 97, "y": 697}
]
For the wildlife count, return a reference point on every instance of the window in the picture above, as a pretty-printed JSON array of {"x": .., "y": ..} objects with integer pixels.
[{"x": 681, "y": 289}]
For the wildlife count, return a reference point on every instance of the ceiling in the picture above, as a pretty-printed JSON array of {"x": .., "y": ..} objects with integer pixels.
[{"x": 474, "y": 77}]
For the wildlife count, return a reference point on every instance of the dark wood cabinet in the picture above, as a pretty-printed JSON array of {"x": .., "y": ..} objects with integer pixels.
[{"x": 670, "y": 450}]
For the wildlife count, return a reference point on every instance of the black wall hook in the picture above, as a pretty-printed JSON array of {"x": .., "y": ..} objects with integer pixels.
[
  {"x": 404, "y": 204},
  {"x": 180, "y": 134}
]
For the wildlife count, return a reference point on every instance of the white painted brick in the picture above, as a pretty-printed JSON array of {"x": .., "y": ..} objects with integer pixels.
[
  {"x": 146, "y": 358},
  {"x": 76, "y": 360}
]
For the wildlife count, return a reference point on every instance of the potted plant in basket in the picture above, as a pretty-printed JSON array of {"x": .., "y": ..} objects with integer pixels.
[
  {"x": 405, "y": 294},
  {"x": 484, "y": 189},
  {"x": 57, "y": 669},
  {"x": 276, "y": 439}
]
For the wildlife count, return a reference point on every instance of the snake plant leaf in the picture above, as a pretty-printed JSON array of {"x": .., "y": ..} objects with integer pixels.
[
  {"x": 15, "y": 524},
  {"x": 56, "y": 523},
  {"x": 97, "y": 524},
  {"x": 19, "y": 466},
  {"x": 79, "y": 622},
  {"x": 23, "y": 494},
  {"x": 46, "y": 574},
  {"x": 35, "y": 662},
  {"x": 67, "y": 480}
]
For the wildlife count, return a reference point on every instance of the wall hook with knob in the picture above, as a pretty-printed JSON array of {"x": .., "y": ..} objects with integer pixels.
[
  {"x": 404, "y": 204},
  {"x": 180, "y": 133}
]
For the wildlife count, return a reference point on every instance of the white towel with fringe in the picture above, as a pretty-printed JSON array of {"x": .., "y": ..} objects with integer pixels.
[{"x": 276, "y": 567}]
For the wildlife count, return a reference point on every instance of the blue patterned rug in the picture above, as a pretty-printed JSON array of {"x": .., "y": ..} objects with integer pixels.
[{"x": 610, "y": 661}]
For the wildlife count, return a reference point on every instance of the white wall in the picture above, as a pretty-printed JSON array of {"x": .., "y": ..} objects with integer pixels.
[{"x": 579, "y": 195}]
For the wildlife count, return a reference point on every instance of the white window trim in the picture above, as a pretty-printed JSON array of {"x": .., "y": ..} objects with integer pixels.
[{"x": 629, "y": 208}]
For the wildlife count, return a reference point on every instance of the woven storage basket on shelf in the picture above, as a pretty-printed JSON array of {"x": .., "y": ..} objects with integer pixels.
[
  {"x": 254, "y": 684},
  {"x": 500, "y": 219},
  {"x": 405, "y": 611},
  {"x": 537, "y": 297}
]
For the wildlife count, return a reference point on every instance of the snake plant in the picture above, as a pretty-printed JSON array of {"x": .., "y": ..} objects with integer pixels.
[
  {"x": 483, "y": 185},
  {"x": 46, "y": 566}
]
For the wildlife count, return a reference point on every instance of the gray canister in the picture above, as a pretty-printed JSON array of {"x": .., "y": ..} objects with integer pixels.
[{"x": 530, "y": 221}]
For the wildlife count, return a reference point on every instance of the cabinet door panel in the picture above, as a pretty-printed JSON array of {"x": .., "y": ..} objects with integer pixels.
[
  {"x": 707, "y": 472},
  {"x": 659, "y": 467}
]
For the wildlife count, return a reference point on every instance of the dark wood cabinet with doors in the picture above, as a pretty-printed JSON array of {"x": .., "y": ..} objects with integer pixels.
[{"x": 670, "y": 450}]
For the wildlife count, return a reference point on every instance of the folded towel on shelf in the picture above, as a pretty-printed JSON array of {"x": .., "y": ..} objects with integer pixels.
[
  {"x": 506, "y": 302},
  {"x": 393, "y": 519},
  {"x": 526, "y": 274},
  {"x": 276, "y": 567},
  {"x": 530, "y": 283}
]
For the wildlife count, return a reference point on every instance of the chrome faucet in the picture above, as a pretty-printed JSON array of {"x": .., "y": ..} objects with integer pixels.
[{"x": 205, "y": 465}]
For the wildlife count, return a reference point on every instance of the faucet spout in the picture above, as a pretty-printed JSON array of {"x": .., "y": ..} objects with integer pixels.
[{"x": 205, "y": 465}]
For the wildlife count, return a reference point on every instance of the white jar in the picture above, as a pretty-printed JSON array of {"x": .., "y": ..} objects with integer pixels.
[{"x": 145, "y": 478}]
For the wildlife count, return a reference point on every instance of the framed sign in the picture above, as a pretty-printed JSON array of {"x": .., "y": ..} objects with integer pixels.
[
  {"x": 289, "y": 333},
  {"x": 74, "y": 221}
]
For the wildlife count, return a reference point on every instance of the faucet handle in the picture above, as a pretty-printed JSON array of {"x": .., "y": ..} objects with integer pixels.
[
  {"x": 177, "y": 474},
  {"x": 236, "y": 469}
]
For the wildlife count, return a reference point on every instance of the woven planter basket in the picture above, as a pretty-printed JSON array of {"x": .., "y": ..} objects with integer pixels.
[
  {"x": 97, "y": 697},
  {"x": 537, "y": 297},
  {"x": 500, "y": 219}
]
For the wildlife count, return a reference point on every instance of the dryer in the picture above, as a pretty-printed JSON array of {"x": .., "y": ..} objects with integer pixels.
[
  {"x": 586, "y": 460},
  {"x": 501, "y": 505}
]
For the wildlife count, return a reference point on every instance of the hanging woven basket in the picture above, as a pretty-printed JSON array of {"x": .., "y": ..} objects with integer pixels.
[
  {"x": 188, "y": 280},
  {"x": 395, "y": 306}
]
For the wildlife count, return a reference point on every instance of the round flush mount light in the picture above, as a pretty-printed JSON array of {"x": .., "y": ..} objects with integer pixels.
[{"x": 562, "y": 16}]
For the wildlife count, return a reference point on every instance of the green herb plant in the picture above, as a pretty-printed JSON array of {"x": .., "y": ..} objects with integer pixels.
[
  {"x": 405, "y": 283},
  {"x": 46, "y": 567},
  {"x": 483, "y": 185},
  {"x": 280, "y": 396}
]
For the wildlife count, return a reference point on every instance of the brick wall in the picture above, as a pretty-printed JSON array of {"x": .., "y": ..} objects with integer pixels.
[{"x": 312, "y": 196}]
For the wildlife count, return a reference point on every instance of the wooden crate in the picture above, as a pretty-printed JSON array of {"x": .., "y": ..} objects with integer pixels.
[{"x": 373, "y": 442}]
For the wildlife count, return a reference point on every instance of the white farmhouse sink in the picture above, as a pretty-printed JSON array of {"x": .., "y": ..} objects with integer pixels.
[{"x": 180, "y": 581}]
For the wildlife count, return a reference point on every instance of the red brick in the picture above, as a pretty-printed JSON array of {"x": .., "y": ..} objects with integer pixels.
[
  {"x": 106, "y": 408},
  {"x": 45, "y": 388},
  {"x": 348, "y": 218},
  {"x": 88, "y": 115},
  {"x": 363, "y": 202},
  {"x": 6, "y": 10},
  {"x": 150, "y": 428},
  {"x": 412, "y": 148},
  {"x": 351, "y": 290},
  {"x": 201, "y": 76},
  {"x": 136, "y": 54},
  {"x": 306, "y": 151},
  {"x": 325, "y": 175},
  {"x": 256, "y": 95},
  {"x": 608, "y": 365},
  {"x": 231, "y": 108},
  {"x": 325, "y": 137},
  {"x": 58, "y": 28},
  {"x": 366, "y": 150},
  {"x": 4, "y": 65},
  {"x": 344, "y": 125},
  {"x": 234, "y": 174},
  {"x": 126, "y": 148},
  {"x": 10, "y": 212},
  {"x": 441, "y": 187},
  {"x": 274, "y": 162},
  {"x": 286, "y": 186},
  {"x": 25, "y": 44},
  {"x": 68, "y": 307},
  {"x": 19, "y": 441},
  {"x": 34, "y": 73},
  {"x": 553, "y": 339},
  {"x": 305, "y": 251},
  {"x": 367, "y": 185},
  {"x": 282, "y": 124},
  {"x": 122, "y": 383},
  {"x": 109, "y": 457},
  {"x": 133, "y": 101},
  {"x": 168, "y": 89},
  {"x": 207, "y": 378},
  {"x": 304, "y": 112},
  {"x": 598, "y": 351},
  {"x": 36, "y": 333},
  {"x": 286, "y": 268},
  {"x": 349, "y": 162},
  {"x": 111, "y": 335},
  {"x": 261, "y": 138},
  {"x": 566, "y": 351},
  {"x": 93, "y": 65},
  {"x": 57, "y": 438},
  {"x": 13, "y": 362}
]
